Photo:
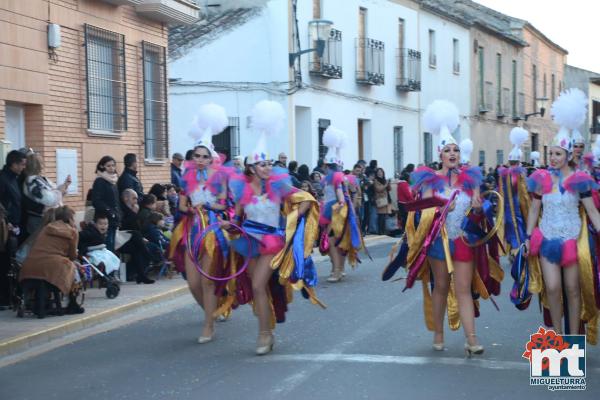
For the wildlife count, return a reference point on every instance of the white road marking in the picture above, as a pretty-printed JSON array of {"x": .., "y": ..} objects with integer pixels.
[
  {"x": 290, "y": 383},
  {"x": 402, "y": 360}
]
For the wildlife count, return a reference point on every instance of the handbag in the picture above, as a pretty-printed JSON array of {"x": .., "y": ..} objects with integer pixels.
[{"x": 121, "y": 237}]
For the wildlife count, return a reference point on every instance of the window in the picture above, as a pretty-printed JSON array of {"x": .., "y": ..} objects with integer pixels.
[
  {"x": 15, "y": 126},
  {"x": 481, "y": 91},
  {"x": 534, "y": 87},
  {"x": 228, "y": 141},
  {"x": 455, "y": 56},
  {"x": 401, "y": 30},
  {"x": 545, "y": 155},
  {"x": 535, "y": 141},
  {"x": 544, "y": 90},
  {"x": 499, "y": 157},
  {"x": 398, "y": 149},
  {"x": 553, "y": 87},
  {"x": 499, "y": 85},
  {"x": 427, "y": 147},
  {"x": 432, "y": 57},
  {"x": 514, "y": 88},
  {"x": 155, "y": 102},
  {"x": 482, "y": 157},
  {"x": 323, "y": 125},
  {"x": 105, "y": 80}
]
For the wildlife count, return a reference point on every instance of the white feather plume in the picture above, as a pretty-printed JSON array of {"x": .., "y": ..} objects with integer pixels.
[
  {"x": 466, "y": 149},
  {"x": 332, "y": 137},
  {"x": 439, "y": 114},
  {"x": 518, "y": 136},
  {"x": 570, "y": 109},
  {"x": 210, "y": 120},
  {"x": 343, "y": 140},
  {"x": 535, "y": 155},
  {"x": 267, "y": 117}
]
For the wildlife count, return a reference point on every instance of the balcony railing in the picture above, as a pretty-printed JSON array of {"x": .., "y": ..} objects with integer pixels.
[
  {"x": 409, "y": 70},
  {"x": 170, "y": 11},
  {"x": 595, "y": 129},
  {"x": 330, "y": 65},
  {"x": 370, "y": 61},
  {"x": 504, "y": 104}
]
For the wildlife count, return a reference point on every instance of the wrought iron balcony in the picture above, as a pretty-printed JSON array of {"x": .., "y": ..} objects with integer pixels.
[
  {"x": 519, "y": 112},
  {"x": 595, "y": 129},
  {"x": 170, "y": 11},
  {"x": 370, "y": 61},
  {"x": 409, "y": 70},
  {"x": 330, "y": 64}
]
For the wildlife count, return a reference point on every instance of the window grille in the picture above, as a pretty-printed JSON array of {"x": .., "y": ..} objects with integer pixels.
[
  {"x": 156, "y": 137},
  {"x": 105, "y": 80}
]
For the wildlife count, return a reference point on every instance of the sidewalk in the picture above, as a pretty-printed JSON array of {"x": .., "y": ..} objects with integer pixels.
[{"x": 20, "y": 334}]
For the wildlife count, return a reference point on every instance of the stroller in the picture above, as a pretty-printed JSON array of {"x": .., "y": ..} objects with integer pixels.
[{"x": 92, "y": 272}]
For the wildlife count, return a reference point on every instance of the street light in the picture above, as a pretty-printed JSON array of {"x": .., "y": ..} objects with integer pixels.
[
  {"x": 540, "y": 103},
  {"x": 318, "y": 30}
]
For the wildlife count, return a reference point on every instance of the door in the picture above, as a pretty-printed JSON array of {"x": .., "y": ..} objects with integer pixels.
[
  {"x": 15, "y": 126},
  {"x": 361, "y": 139}
]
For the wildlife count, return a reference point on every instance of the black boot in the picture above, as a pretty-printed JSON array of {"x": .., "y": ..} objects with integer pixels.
[
  {"x": 144, "y": 279},
  {"x": 73, "y": 307}
]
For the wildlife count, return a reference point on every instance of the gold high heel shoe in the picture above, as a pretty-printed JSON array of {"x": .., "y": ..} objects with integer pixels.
[
  {"x": 473, "y": 349},
  {"x": 440, "y": 345},
  {"x": 263, "y": 348}
]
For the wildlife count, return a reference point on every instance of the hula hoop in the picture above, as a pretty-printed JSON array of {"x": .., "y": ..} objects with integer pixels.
[{"x": 194, "y": 256}]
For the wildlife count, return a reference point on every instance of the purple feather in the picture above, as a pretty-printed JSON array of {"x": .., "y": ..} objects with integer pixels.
[
  {"x": 540, "y": 181},
  {"x": 580, "y": 182},
  {"x": 470, "y": 178},
  {"x": 425, "y": 178}
]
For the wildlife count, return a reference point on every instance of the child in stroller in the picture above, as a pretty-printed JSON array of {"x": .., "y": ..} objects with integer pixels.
[{"x": 96, "y": 257}]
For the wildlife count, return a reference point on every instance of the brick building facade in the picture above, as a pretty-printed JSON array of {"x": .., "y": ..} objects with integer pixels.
[{"x": 101, "y": 91}]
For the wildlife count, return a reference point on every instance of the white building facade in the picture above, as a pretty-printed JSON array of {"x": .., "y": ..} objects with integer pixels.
[{"x": 373, "y": 81}]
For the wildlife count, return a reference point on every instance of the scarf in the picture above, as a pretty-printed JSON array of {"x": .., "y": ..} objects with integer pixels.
[{"x": 110, "y": 178}]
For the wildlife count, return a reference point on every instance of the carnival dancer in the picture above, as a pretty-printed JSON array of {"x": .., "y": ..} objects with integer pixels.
[
  {"x": 579, "y": 145},
  {"x": 437, "y": 253},
  {"x": 281, "y": 226},
  {"x": 202, "y": 201},
  {"x": 567, "y": 252},
  {"x": 340, "y": 231},
  {"x": 513, "y": 188}
]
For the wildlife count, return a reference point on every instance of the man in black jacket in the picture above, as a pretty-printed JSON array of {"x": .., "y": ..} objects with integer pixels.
[
  {"x": 176, "y": 170},
  {"x": 129, "y": 179},
  {"x": 10, "y": 197}
]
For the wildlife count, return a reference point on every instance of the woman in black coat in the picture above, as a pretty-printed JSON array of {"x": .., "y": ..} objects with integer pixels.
[{"x": 105, "y": 196}]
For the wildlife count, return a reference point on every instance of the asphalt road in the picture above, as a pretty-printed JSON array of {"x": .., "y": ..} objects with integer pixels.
[{"x": 371, "y": 343}]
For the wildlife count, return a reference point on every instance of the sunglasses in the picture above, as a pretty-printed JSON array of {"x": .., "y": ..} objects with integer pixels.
[
  {"x": 202, "y": 156},
  {"x": 579, "y": 146}
]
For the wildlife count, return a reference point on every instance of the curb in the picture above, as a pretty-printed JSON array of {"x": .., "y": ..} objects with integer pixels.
[{"x": 19, "y": 343}]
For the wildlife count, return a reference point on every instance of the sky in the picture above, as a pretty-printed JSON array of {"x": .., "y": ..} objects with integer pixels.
[{"x": 572, "y": 24}]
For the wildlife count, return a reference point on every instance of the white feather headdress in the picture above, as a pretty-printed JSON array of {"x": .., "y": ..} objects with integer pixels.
[
  {"x": 441, "y": 118},
  {"x": 466, "y": 149},
  {"x": 267, "y": 120},
  {"x": 210, "y": 120},
  {"x": 569, "y": 111},
  {"x": 518, "y": 136},
  {"x": 334, "y": 139},
  {"x": 535, "y": 157}
]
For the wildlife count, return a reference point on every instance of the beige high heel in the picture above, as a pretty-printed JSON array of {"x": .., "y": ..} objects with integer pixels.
[
  {"x": 335, "y": 277},
  {"x": 265, "y": 348},
  {"x": 474, "y": 349},
  {"x": 206, "y": 339},
  {"x": 438, "y": 346}
]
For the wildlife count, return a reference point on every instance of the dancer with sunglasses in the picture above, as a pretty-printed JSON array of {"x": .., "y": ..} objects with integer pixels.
[
  {"x": 281, "y": 224},
  {"x": 202, "y": 201},
  {"x": 562, "y": 243},
  {"x": 341, "y": 237},
  {"x": 438, "y": 217}
]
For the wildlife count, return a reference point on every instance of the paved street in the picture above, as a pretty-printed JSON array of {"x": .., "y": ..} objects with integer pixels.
[{"x": 370, "y": 343}]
